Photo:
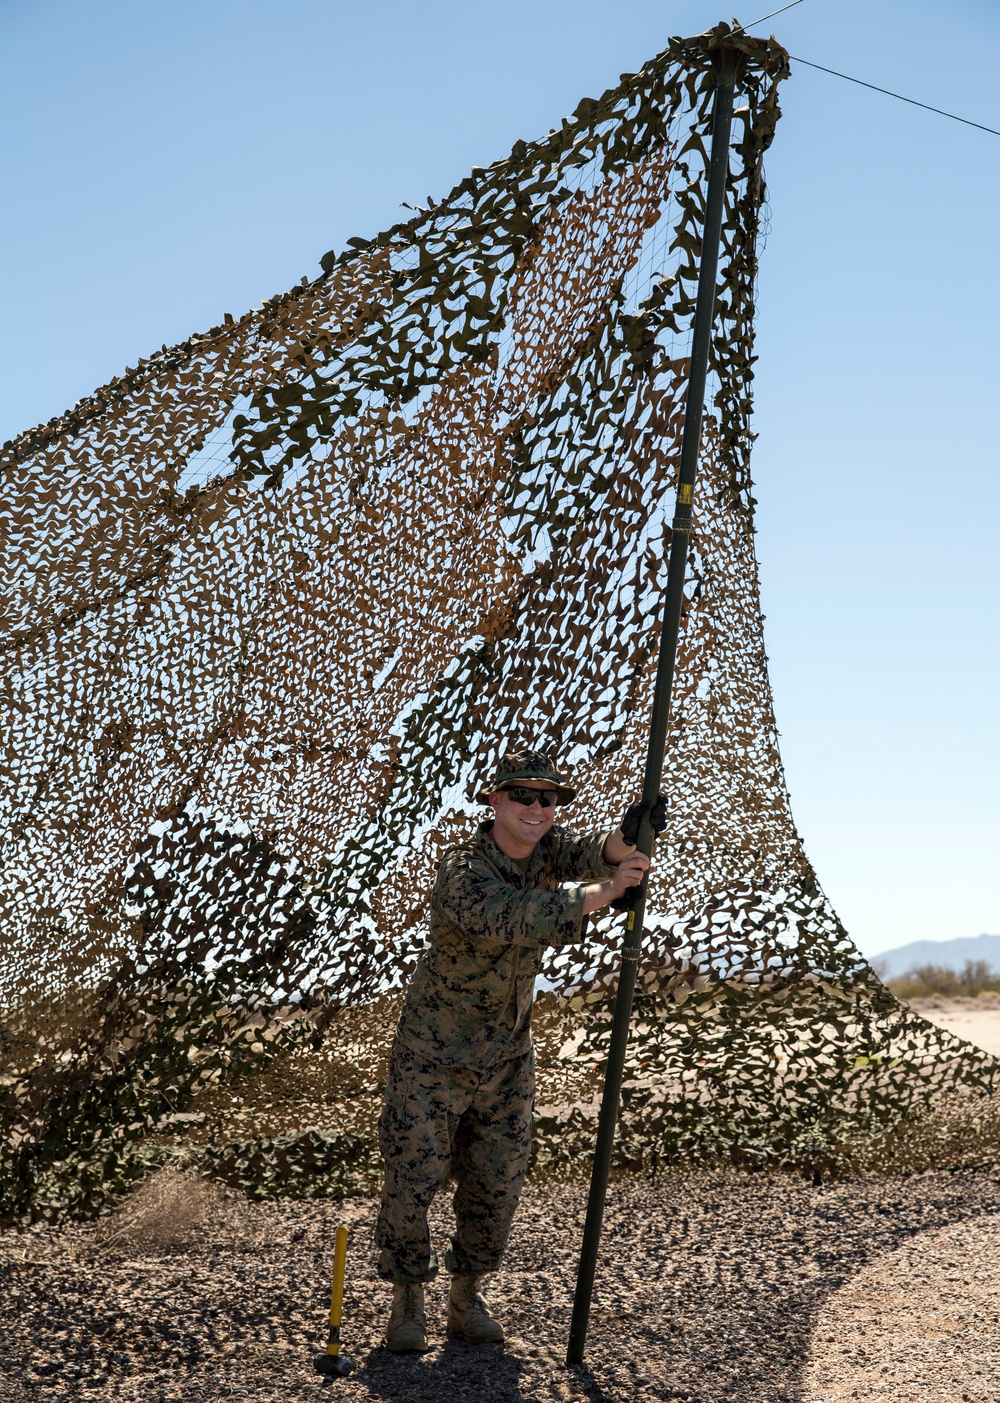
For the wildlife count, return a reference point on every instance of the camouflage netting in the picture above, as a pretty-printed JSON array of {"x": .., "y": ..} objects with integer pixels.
[{"x": 276, "y": 598}]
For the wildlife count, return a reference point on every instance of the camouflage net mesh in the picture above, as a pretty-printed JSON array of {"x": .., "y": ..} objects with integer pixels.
[{"x": 276, "y": 599}]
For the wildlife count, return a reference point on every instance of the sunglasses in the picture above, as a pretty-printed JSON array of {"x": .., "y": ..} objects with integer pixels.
[{"x": 521, "y": 794}]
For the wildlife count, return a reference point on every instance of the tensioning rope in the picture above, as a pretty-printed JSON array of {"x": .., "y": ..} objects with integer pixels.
[
  {"x": 743, "y": 28},
  {"x": 911, "y": 100}
]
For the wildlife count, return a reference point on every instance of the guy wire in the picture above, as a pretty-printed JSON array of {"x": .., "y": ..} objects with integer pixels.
[
  {"x": 742, "y": 28},
  {"x": 912, "y": 100}
]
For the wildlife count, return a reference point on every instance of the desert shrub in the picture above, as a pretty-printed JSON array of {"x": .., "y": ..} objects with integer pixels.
[
  {"x": 164, "y": 1212},
  {"x": 980, "y": 978},
  {"x": 976, "y": 978}
]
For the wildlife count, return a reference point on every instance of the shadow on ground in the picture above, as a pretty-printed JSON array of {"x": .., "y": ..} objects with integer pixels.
[{"x": 708, "y": 1290}]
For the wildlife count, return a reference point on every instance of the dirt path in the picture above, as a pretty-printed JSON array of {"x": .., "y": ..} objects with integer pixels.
[
  {"x": 919, "y": 1325},
  {"x": 716, "y": 1288}
]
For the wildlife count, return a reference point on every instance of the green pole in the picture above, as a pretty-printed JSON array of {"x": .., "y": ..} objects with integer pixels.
[{"x": 727, "y": 62}]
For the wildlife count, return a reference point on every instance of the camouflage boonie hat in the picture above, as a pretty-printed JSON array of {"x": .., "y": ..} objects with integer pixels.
[{"x": 521, "y": 764}]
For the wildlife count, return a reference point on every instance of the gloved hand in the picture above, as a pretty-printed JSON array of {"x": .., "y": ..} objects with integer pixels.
[
  {"x": 628, "y": 881},
  {"x": 633, "y": 817}
]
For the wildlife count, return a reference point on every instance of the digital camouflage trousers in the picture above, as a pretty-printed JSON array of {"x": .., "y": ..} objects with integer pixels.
[{"x": 475, "y": 1125}]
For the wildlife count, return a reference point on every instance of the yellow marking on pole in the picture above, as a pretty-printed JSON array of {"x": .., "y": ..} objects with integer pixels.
[
  {"x": 337, "y": 1294},
  {"x": 685, "y": 494},
  {"x": 631, "y": 920}
]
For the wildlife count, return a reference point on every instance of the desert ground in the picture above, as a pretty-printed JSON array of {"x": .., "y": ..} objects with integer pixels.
[
  {"x": 977, "y": 1020},
  {"x": 713, "y": 1288},
  {"x": 724, "y": 1287}
]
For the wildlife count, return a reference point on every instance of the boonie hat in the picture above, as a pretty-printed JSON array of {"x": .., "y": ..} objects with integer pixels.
[{"x": 520, "y": 764}]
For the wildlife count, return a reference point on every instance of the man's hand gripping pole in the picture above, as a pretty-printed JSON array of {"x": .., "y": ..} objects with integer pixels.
[{"x": 630, "y": 828}]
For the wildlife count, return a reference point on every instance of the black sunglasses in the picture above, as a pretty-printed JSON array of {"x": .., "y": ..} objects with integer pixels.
[{"x": 521, "y": 794}]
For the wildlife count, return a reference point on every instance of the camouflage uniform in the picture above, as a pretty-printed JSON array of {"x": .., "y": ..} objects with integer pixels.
[{"x": 461, "y": 1074}]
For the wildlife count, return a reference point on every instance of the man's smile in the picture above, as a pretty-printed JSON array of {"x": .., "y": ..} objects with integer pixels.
[{"x": 520, "y": 825}]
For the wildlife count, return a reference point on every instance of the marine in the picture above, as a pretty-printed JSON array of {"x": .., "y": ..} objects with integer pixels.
[{"x": 461, "y": 1079}]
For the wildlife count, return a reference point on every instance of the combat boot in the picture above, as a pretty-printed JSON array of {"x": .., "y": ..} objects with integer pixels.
[
  {"x": 467, "y": 1313},
  {"x": 407, "y": 1328}
]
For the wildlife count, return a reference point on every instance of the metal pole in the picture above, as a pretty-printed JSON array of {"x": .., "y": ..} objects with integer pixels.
[{"x": 728, "y": 61}]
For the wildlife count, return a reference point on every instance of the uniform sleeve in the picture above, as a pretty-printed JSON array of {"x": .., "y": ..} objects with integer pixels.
[
  {"x": 580, "y": 856},
  {"x": 468, "y": 895}
]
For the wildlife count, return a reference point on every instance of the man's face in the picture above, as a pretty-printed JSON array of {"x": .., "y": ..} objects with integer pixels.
[{"x": 520, "y": 825}]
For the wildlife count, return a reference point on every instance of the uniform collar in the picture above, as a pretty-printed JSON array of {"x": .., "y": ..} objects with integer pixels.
[{"x": 505, "y": 864}]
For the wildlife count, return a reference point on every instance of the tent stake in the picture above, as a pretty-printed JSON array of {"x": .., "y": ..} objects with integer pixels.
[{"x": 728, "y": 62}]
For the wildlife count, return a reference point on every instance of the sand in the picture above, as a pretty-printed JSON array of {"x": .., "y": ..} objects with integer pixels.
[
  {"x": 976, "y": 1020},
  {"x": 713, "y": 1288},
  {"x": 919, "y": 1325}
]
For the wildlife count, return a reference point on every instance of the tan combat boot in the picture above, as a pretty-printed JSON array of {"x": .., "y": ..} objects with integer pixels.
[
  {"x": 467, "y": 1313},
  {"x": 407, "y": 1328}
]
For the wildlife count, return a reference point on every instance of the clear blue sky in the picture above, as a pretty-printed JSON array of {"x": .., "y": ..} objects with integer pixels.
[{"x": 168, "y": 161}]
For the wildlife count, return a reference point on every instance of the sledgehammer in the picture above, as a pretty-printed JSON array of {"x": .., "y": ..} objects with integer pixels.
[{"x": 330, "y": 1361}]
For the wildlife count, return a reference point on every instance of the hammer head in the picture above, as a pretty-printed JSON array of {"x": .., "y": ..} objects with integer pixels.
[{"x": 334, "y": 1366}]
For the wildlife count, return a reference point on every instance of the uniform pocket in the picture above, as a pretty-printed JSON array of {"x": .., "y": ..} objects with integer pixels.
[
  {"x": 422, "y": 1107},
  {"x": 392, "y": 1121}
]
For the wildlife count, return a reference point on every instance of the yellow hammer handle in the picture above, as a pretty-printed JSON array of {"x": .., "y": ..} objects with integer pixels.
[{"x": 337, "y": 1295}]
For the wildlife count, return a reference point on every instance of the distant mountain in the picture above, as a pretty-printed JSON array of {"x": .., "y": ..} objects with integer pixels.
[{"x": 949, "y": 954}]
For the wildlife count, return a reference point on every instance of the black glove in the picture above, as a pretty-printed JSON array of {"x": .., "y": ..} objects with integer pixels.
[
  {"x": 627, "y": 901},
  {"x": 633, "y": 817}
]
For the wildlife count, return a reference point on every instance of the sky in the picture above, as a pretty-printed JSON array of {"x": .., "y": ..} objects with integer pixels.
[{"x": 167, "y": 162}]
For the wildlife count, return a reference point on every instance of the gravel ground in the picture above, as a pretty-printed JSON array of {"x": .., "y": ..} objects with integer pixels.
[
  {"x": 922, "y": 1322},
  {"x": 721, "y": 1288}
]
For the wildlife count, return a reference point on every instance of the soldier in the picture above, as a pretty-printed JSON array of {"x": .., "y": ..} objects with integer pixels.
[{"x": 461, "y": 1073}]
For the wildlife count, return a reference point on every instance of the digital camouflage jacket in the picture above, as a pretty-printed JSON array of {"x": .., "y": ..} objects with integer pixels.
[{"x": 469, "y": 1001}]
